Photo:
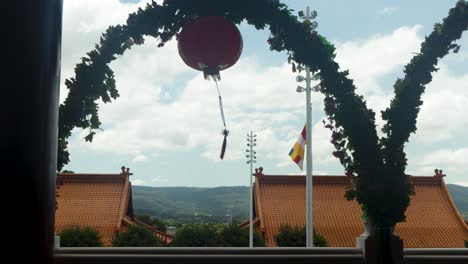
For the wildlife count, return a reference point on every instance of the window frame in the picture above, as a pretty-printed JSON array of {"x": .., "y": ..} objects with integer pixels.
[{"x": 42, "y": 171}]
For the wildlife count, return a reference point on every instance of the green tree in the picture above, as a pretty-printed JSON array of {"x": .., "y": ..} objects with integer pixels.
[
  {"x": 197, "y": 235},
  {"x": 160, "y": 224},
  {"x": 136, "y": 236},
  {"x": 234, "y": 236},
  {"x": 296, "y": 237},
  {"x": 75, "y": 236}
]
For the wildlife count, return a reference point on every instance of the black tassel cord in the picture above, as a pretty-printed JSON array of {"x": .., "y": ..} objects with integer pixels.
[{"x": 225, "y": 132}]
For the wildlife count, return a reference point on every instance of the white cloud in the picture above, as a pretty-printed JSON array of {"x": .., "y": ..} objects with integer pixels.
[
  {"x": 83, "y": 23},
  {"x": 140, "y": 121},
  {"x": 451, "y": 161},
  {"x": 159, "y": 179},
  {"x": 370, "y": 59},
  {"x": 449, "y": 157},
  {"x": 462, "y": 183},
  {"x": 138, "y": 182},
  {"x": 140, "y": 158},
  {"x": 442, "y": 113},
  {"x": 461, "y": 56},
  {"x": 166, "y": 106},
  {"x": 388, "y": 10},
  {"x": 442, "y": 116},
  {"x": 374, "y": 57}
]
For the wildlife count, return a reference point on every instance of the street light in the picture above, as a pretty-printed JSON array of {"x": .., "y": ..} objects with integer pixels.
[
  {"x": 251, "y": 155},
  {"x": 308, "y": 78}
]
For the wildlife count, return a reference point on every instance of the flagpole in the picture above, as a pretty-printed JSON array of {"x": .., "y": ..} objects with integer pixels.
[
  {"x": 310, "y": 215},
  {"x": 251, "y": 139},
  {"x": 308, "y": 89}
]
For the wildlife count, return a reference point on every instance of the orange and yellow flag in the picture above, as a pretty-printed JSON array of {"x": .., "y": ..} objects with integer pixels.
[{"x": 297, "y": 151}]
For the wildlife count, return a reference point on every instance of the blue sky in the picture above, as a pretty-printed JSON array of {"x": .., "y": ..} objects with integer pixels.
[{"x": 166, "y": 125}]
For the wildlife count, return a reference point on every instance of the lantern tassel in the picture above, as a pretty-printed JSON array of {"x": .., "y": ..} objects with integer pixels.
[
  {"x": 225, "y": 132},
  {"x": 223, "y": 148},
  {"x": 221, "y": 110}
]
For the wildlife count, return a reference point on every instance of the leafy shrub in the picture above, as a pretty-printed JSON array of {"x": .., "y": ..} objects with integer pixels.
[
  {"x": 296, "y": 237},
  {"x": 76, "y": 236},
  {"x": 234, "y": 236},
  {"x": 200, "y": 235},
  {"x": 136, "y": 236}
]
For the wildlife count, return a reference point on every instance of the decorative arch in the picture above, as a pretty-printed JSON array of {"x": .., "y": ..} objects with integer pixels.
[{"x": 373, "y": 164}]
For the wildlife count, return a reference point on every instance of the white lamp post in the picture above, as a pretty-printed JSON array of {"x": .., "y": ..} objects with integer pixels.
[
  {"x": 309, "y": 212},
  {"x": 251, "y": 139}
]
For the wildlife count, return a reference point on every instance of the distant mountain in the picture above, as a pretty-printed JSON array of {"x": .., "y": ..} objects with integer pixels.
[
  {"x": 460, "y": 197},
  {"x": 190, "y": 204}
]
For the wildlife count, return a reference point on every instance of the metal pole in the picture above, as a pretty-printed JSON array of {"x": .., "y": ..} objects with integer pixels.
[
  {"x": 309, "y": 203},
  {"x": 308, "y": 89},
  {"x": 251, "y": 198},
  {"x": 251, "y": 155},
  {"x": 310, "y": 215}
]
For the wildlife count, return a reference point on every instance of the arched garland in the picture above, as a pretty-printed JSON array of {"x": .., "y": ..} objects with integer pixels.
[{"x": 376, "y": 166}]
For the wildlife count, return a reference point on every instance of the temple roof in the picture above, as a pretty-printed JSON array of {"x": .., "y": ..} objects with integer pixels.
[
  {"x": 433, "y": 221},
  {"x": 100, "y": 201}
]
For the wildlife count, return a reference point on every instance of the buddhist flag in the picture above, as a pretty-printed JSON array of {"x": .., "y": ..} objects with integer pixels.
[{"x": 297, "y": 151}]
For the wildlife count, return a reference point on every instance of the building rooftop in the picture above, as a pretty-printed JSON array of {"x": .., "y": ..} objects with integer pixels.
[
  {"x": 100, "y": 201},
  {"x": 433, "y": 221}
]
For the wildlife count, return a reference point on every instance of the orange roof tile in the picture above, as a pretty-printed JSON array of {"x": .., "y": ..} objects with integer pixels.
[
  {"x": 100, "y": 201},
  {"x": 432, "y": 218}
]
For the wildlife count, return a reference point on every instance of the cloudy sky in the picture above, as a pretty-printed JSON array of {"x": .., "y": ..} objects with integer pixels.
[{"x": 166, "y": 124}]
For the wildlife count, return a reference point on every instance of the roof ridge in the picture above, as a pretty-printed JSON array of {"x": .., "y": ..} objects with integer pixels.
[
  {"x": 453, "y": 207},
  {"x": 123, "y": 203},
  {"x": 152, "y": 228},
  {"x": 87, "y": 174},
  {"x": 125, "y": 172},
  {"x": 89, "y": 178},
  {"x": 258, "y": 206},
  {"x": 139, "y": 222},
  {"x": 246, "y": 223},
  {"x": 333, "y": 179}
]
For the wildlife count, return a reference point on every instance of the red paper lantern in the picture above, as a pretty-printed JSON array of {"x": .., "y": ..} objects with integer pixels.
[{"x": 210, "y": 44}]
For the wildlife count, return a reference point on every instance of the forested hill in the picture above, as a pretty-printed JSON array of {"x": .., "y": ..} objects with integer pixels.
[{"x": 190, "y": 204}]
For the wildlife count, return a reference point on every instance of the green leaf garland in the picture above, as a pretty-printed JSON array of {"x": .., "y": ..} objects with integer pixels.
[{"x": 375, "y": 166}]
